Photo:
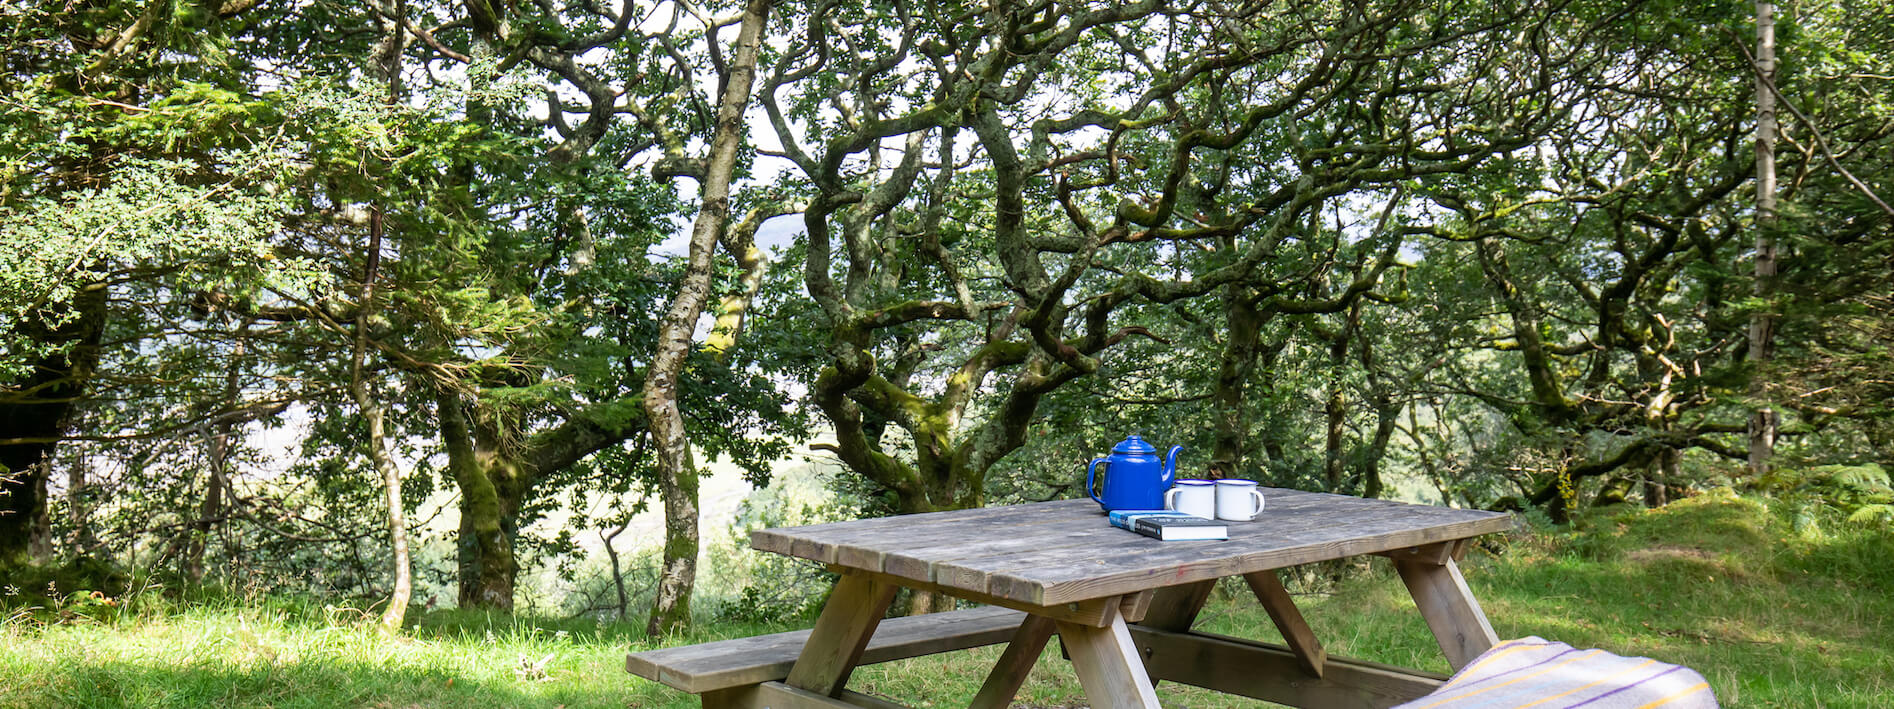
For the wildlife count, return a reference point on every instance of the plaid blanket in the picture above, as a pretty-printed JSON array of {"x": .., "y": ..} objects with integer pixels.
[{"x": 1533, "y": 672}]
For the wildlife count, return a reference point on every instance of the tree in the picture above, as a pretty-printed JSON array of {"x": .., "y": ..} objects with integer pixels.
[
  {"x": 1203, "y": 181},
  {"x": 677, "y": 472},
  {"x": 100, "y": 192}
]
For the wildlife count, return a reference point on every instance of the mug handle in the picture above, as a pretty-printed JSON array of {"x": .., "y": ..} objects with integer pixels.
[
  {"x": 1259, "y": 500},
  {"x": 1169, "y": 502},
  {"x": 1089, "y": 471}
]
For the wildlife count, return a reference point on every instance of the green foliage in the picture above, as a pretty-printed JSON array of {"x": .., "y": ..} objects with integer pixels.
[
  {"x": 1861, "y": 492},
  {"x": 61, "y": 591},
  {"x": 759, "y": 588}
]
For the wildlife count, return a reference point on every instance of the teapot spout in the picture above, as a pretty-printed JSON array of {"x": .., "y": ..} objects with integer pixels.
[{"x": 1170, "y": 463}]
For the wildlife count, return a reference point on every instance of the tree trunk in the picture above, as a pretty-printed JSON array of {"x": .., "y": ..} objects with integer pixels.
[
  {"x": 39, "y": 543},
  {"x": 618, "y": 574},
  {"x": 1762, "y": 324},
  {"x": 1386, "y": 414},
  {"x": 1387, "y": 411},
  {"x": 490, "y": 497},
  {"x": 1655, "y": 495},
  {"x": 78, "y": 506},
  {"x": 33, "y": 415},
  {"x": 1229, "y": 400},
  {"x": 219, "y": 454},
  {"x": 392, "y": 618},
  {"x": 387, "y": 58},
  {"x": 1668, "y": 484},
  {"x": 677, "y": 472},
  {"x": 210, "y": 508},
  {"x": 374, "y": 412},
  {"x": 1275, "y": 449},
  {"x": 1335, "y": 410}
]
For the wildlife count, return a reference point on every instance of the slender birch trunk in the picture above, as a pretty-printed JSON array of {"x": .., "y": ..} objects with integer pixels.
[
  {"x": 1762, "y": 324},
  {"x": 677, "y": 472},
  {"x": 387, "y": 59},
  {"x": 375, "y": 413}
]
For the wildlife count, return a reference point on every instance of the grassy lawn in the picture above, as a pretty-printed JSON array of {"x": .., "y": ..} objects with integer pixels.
[{"x": 1771, "y": 615}]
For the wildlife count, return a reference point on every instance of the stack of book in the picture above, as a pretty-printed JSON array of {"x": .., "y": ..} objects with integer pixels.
[{"x": 1170, "y": 525}]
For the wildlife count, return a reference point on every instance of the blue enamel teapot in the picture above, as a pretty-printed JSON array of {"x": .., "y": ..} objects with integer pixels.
[{"x": 1134, "y": 479}]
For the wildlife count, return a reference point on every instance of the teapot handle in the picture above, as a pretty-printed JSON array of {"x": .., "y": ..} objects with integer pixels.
[{"x": 1089, "y": 471}]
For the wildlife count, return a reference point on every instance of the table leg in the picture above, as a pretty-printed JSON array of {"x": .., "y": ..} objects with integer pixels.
[
  {"x": 1022, "y": 652},
  {"x": 1444, "y": 600},
  {"x": 849, "y": 618},
  {"x": 1174, "y": 608},
  {"x": 1282, "y": 609},
  {"x": 1109, "y": 665}
]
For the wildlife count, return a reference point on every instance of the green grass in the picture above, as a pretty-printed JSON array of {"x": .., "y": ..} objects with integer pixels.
[{"x": 1771, "y": 614}]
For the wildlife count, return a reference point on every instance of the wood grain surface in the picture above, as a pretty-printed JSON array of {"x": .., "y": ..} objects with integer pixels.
[
  {"x": 724, "y": 664},
  {"x": 1065, "y": 551}
]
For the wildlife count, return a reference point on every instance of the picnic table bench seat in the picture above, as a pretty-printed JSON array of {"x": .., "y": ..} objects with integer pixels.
[{"x": 739, "y": 662}]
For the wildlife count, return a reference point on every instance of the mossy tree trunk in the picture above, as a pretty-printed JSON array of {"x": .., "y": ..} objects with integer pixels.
[
  {"x": 677, "y": 470},
  {"x": 496, "y": 467}
]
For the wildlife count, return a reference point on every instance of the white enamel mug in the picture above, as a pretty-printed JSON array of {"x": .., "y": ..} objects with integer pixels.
[
  {"x": 1192, "y": 497},
  {"x": 1238, "y": 500}
]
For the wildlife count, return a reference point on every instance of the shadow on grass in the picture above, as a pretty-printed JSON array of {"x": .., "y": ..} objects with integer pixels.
[
  {"x": 121, "y": 684},
  {"x": 472, "y": 625}
]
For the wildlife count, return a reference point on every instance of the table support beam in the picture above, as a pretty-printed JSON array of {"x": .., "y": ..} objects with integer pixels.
[
  {"x": 1018, "y": 660},
  {"x": 1444, "y": 600},
  {"x": 1108, "y": 664},
  {"x": 1437, "y": 554},
  {"x": 1176, "y": 607},
  {"x": 1295, "y": 630},
  {"x": 1274, "y": 673},
  {"x": 849, "y": 618}
]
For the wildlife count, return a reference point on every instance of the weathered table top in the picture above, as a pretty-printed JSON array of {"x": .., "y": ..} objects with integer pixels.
[{"x": 1065, "y": 551}]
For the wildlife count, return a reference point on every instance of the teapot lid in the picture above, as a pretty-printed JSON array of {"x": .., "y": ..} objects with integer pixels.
[{"x": 1134, "y": 444}]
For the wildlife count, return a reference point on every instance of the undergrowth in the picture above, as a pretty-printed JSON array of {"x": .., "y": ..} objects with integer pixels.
[{"x": 1774, "y": 609}]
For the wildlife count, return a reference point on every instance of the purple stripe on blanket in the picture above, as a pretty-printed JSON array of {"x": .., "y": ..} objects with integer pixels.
[
  {"x": 1673, "y": 668},
  {"x": 1489, "y": 678}
]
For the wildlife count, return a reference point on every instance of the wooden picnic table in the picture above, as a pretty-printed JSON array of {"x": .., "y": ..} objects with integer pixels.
[{"x": 1123, "y": 604}]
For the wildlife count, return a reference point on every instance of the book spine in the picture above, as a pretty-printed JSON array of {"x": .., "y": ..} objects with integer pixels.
[{"x": 1149, "y": 529}]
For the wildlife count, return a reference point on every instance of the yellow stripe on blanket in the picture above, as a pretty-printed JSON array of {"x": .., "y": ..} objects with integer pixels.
[{"x": 1698, "y": 687}]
